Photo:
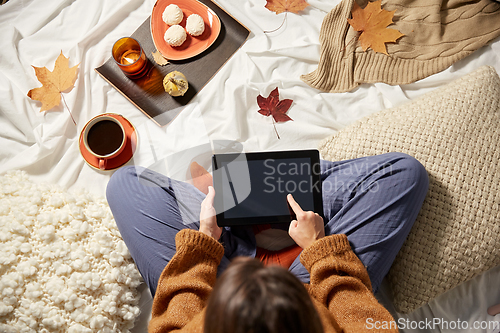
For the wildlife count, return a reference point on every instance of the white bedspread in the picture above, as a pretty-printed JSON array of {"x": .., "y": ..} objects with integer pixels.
[{"x": 45, "y": 145}]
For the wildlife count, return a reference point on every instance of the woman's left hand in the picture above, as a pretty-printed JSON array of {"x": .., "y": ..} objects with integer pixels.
[{"x": 208, "y": 219}]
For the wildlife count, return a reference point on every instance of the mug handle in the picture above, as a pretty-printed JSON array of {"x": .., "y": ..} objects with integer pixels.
[{"x": 102, "y": 164}]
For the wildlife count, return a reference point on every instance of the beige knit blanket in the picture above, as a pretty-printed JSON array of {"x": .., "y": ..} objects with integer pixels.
[{"x": 437, "y": 34}]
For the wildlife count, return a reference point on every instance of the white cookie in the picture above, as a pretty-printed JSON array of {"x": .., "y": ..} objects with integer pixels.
[
  {"x": 172, "y": 15},
  {"x": 195, "y": 25},
  {"x": 175, "y": 35}
]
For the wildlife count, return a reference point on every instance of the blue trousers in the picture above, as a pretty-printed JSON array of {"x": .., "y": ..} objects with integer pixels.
[{"x": 373, "y": 200}]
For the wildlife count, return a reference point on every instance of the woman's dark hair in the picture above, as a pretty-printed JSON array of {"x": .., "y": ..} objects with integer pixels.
[{"x": 251, "y": 298}]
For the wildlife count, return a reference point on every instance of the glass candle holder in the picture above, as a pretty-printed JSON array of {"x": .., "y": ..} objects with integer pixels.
[{"x": 130, "y": 58}]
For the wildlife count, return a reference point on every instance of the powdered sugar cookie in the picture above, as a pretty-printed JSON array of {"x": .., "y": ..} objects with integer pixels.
[
  {"x": 175, "y": 35},
  {"x": 172, "y": 15},
  {"x": 195, "y": 25}
]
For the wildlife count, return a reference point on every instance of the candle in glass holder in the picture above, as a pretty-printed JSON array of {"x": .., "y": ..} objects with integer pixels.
[{"x": 130, "y": 58}]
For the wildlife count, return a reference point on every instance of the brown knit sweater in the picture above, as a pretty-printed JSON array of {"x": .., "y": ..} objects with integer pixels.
[
  {"x": 437, "y": 33},
  {"x": 340, "y": 286}
]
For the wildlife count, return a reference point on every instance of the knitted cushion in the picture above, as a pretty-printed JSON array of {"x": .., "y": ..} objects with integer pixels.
[{"x": 454, "y": 132}]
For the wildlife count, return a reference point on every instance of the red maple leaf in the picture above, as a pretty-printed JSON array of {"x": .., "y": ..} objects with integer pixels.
[{"x": 272, "y": 106}]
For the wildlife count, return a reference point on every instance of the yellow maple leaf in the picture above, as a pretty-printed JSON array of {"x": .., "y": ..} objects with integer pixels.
[
  {"x": 372, "y": 22},
  {"x": 61, "y": 79},
  {"x": 280, "y": 6}
]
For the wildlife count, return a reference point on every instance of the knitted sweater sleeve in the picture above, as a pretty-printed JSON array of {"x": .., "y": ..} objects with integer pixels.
[
  {"x": 340, "y": 282},
  {"x": 186, "y": 283}
]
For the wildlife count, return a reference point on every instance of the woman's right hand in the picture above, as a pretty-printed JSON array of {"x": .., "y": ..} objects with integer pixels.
[
  {"x": 208, "y": 219},
  {"x": 307, "y": 228}
]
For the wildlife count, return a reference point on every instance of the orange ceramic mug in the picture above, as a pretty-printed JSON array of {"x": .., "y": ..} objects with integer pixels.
[{"x": 105, "y": 138}]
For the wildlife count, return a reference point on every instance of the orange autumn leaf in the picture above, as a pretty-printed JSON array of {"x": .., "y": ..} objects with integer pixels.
[
  {"x": 280, "y": 6},
  {"x": 53, "y": 83},
  {"x": 372, "y": 22}
]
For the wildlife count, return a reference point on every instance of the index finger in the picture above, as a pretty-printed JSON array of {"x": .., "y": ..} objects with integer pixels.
[{"x": 295, "y": 206}]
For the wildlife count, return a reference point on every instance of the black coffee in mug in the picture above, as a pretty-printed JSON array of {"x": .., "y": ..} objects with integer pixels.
[{"x": 105, "y": 137}]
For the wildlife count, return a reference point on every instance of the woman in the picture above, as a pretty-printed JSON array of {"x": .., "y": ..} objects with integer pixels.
[{"x": 370, "y": 205}]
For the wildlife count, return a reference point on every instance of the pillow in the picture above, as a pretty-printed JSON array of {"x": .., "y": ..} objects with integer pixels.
[{"x": 454, "y": 132}]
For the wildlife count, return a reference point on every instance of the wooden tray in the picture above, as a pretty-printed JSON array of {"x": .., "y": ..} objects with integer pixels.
[{"x": 147, "y": 93}]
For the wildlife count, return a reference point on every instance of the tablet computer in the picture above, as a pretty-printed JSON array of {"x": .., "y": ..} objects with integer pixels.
[{"x": 251, "y": 188}]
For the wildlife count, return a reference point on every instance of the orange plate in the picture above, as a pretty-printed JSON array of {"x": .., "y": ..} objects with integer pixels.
[
  {"x": 193, "y": 45},
  {"x": 125, "y": 155}
]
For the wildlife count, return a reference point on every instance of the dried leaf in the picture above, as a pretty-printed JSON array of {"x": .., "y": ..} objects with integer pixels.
[
  {"x": 280, "y": 6},
  {"x": 272, "y": 106},
  {"x": 372, "y": 22},
  {"x": 159, "y": 59},
  {"x": 61, "y": 79}
]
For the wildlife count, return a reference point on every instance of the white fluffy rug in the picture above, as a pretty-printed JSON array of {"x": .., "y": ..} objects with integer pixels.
[{"x": 63, "y": 264}]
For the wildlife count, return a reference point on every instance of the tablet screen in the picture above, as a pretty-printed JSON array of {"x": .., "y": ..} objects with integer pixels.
[{"x": 251, "y": 188}]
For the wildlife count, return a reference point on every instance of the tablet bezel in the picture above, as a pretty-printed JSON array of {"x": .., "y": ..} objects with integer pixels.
[{"x": 217, "y": 159}]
